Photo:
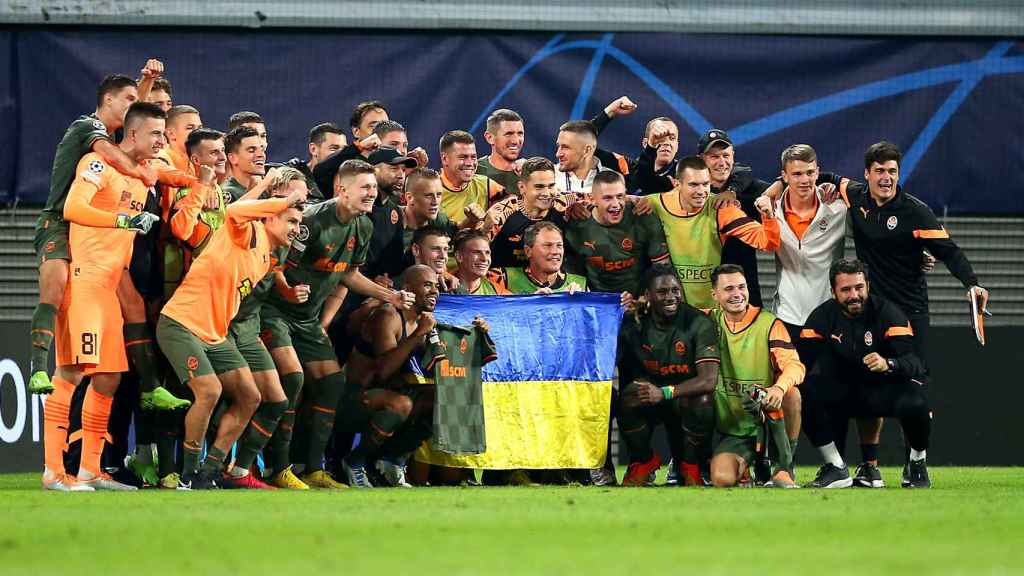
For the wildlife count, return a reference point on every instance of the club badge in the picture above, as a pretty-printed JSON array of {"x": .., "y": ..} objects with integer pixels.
[
  {"x": 868, "y": 338},
  {"x": 891, "y": 223}
]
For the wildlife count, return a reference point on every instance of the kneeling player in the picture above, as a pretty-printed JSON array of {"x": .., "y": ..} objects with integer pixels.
[
  {"x": 756, "y": 352},
  {"x": 193, "y": 326},
  {"x": 388, "y": 377},
  {"x": 865, "y": 367},
  {"x": 668, "y": 360}
]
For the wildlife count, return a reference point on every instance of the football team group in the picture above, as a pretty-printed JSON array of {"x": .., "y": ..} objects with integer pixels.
[{"x": 272, "y": 321}]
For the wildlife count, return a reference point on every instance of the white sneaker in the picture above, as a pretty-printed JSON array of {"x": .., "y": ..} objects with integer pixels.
[
  {"x": 393, "y": 473},
  {"x": 63, "y": 483},
  {"x": 105, "y": 482}
]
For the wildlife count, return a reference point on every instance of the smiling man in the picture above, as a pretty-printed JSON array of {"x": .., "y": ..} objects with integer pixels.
[
  {"x": 538, "y": 200},
  {"x": 696, "y": 230},
  {"x": 473, "y": 255},
  {"x": 466, "y": 193},
  {"x": 247, "y": 159},
  {"x": 615, "y": 245},
  {"x": 507, "y": 136},
  {"x": 668, "y": 365},
  {"x": 757, "y": 357},
  {"x": 866, "y": 367},
  {"x": 193, "y": 326},
  {"x": 335, "y": 235}
]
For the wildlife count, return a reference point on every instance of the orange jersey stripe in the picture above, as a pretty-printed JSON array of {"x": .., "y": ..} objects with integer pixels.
[
  {"x": 931, "y": 234},
  {"x": 899, "y": 331}
]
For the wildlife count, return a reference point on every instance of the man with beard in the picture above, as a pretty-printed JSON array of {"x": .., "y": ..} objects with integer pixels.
[
  {"x": 757, "y": 359},
  {"x": 389, "y": 373},
  {"x": 668, "y": 364},
  {"x": 336, "y": 237},
  {"x": 615, "y": 245},
  {"x": 473, "y": 258},
  {"x": 538, "y": 200},
  {"x": 466, "y": 193},
  {"x": 696, "y": 230},
  {"x": 507, "y": 136},
  {"x": 867, "y": 366},
  {"x": 247, "y": 159}
]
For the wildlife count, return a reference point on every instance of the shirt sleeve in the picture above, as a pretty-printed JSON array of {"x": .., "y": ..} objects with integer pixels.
[
  {"x": 706, "y": 340},
  {"x": 488, "y": 350},
  {"x": 654, "y": 237},
  {"x": 899, "y": 336},
  {"x": 733, "y": 222},
  {"x": 185, "y": 214},
  {"x": 324, "y": 171},
  {"x": 240, "y": 213},
  {"x": 936, "y": 240},
  {"x": 784, "y": 357},
  {"x": 93, "y": 175},
  {"x": 89, "y": 131},
  {"x": 364, "y": 232}
]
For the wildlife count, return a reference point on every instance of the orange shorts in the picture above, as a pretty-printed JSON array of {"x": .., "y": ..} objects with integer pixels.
[{"x": 90, "y": 328}]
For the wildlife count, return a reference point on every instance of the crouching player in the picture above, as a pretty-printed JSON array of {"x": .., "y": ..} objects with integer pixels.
[
  {"x": 193, "y": 326},
  {"x": 756, "y": 352},
  {"x": 668, "y": 360}
]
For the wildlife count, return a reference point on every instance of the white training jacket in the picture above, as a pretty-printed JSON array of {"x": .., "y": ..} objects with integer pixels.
[{"x": 802, "y": 264}]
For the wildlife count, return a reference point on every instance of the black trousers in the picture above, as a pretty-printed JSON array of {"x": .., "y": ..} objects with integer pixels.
[{"x": 832, "y": 395}]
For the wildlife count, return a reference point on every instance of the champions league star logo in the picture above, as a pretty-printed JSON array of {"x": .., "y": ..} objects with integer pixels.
[{"x": 303, "y": 234}]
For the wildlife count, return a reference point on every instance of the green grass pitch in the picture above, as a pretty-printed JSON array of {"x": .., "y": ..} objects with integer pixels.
[{"x": 971, "y": 522}]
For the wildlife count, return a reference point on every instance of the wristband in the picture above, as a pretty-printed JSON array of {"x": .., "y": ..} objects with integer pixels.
[
  {"x": 668, "y": 391},
  {"x": 121, "y": 221}
]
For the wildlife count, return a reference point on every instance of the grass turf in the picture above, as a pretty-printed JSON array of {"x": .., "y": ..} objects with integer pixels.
[{"x": 968, "y": 524}]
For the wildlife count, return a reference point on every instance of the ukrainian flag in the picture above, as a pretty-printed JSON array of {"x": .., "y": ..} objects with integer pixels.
[{"x": 546, "y": 398}]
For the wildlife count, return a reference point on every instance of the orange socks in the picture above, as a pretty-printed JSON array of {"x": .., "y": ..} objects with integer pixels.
[
  {"x": 95, "y": 415},
  {"x": 56, "y": 420}
]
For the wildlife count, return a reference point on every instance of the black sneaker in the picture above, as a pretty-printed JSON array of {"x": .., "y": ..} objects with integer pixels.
[
  {"x": 868, "y": 476},
  {"x": 198, "y": 481},
  {"x": 830, "y": 476},
  {"x": 917, "y": 475},
  {"x": 762, "y": 471},
  {"x": 905, "y": 481}
]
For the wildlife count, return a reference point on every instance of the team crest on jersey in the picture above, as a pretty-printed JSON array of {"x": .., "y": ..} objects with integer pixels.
[
  {"x": 868, "y": 338},
  {"x": 303, "y": 234},
  {"x": 891, "y": 223},
  {"x": 823, "y": 225},
  {"x": 96, "y": 167},
  {"x": 680, "y": 347},
  {"x": 351, "y": 244},
  {"x": 463, "y": 345},
  {"x": 394, "y": 216},
  {"x": 627, "y": 244},
  {"x": 192, "y": 362},
  {"x": 99, "y": 125}
]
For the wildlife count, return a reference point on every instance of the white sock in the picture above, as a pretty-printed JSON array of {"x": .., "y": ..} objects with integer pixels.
[
  {"x": 84, "y": 475},
  {"x": 144, "y": 453},
  {"x": 915, "y": 455},
  {"x": 237, "y": 472},
  {"x": 831, "y": 455}
]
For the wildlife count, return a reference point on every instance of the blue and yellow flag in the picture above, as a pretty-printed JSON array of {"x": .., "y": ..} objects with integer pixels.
[{"x": 547, "y": 396}]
